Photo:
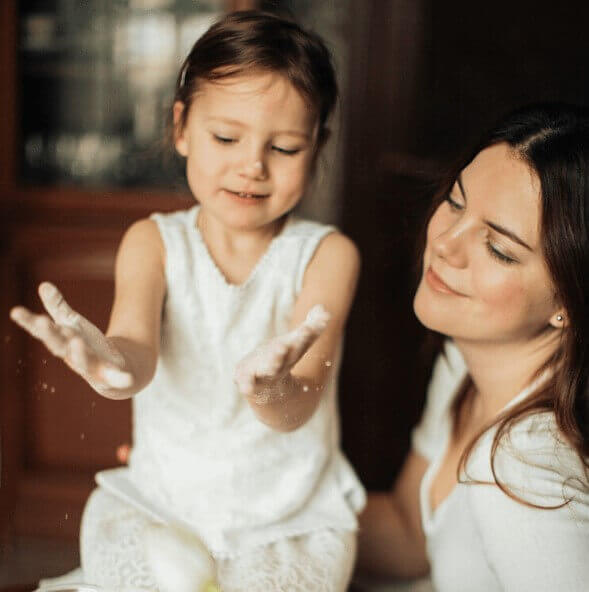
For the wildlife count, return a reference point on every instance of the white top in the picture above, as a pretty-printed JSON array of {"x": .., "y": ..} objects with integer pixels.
[
  {"x": 199, "y": 454},
  {"x": 478, "y": 538}
]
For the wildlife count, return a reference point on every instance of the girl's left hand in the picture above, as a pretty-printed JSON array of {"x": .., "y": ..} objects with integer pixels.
[{"x": 269, "y": 363}]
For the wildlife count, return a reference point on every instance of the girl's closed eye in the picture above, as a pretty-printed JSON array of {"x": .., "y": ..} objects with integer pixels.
[
  {"x": 224, "y": 139},
  {"x": 286, "y": 151}
]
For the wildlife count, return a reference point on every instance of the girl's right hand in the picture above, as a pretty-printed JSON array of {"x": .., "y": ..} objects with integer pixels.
[{"x": 74, "y": 339}]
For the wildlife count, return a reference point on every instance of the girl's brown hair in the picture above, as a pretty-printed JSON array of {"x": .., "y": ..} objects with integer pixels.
[{"x": 253, "y": 40}]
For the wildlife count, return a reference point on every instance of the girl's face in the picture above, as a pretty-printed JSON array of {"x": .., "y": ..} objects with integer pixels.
[
  {"x": 484, "y": 274},
  {"x": 249, "y": 142}
]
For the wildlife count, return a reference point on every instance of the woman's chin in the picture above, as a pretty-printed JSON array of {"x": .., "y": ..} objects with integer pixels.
[{"x": 430, "y": 316}]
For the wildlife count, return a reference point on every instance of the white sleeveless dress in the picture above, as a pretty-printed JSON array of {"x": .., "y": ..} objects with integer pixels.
[{"x": 276, "y": 510}]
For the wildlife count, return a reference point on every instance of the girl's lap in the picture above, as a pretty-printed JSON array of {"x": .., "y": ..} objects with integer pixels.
[{"x": 112, "y": 553}]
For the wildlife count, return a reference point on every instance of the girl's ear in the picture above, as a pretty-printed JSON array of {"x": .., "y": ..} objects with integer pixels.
[{"x": 179, "y": 124}]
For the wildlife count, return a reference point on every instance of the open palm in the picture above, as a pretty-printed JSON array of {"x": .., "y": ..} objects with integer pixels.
[{"x": 74, "y": 339}]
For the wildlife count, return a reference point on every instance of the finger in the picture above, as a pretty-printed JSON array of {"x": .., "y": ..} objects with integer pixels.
[
  {"x": 272, "y": 360},
  {"x": 42, "y": 328},
  {"x": 61, "y": 312},
  {"x": 244, "y": 382},
  {"x": 301, "y": 339},
  {"x": 115, "y": 378},
  {"x": 317, "y": 318},
  {"x": 77, "y": 356},
  {"x": 246, "y": 386}
]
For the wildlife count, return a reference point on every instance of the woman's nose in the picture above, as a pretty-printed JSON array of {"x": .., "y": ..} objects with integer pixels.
[{"x": 450, "y": 245}]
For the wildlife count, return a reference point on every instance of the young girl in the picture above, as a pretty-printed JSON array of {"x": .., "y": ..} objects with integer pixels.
[{"x": 215, "y": 334}]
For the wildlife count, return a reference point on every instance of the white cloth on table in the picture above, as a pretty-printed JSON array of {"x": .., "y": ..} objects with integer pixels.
[{"x": 479, "y": 538}]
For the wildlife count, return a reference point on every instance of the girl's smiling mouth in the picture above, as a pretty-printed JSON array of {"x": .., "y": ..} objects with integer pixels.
[{"x": 246, "y": 195}]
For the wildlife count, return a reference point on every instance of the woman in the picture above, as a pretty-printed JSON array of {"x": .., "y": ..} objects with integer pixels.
[{"x": 494, "y": 494}]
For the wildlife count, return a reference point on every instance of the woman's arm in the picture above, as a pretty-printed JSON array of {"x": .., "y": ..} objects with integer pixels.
[
  {"x": 284, "y": 380},
  {"x": 391, "y": 540}
]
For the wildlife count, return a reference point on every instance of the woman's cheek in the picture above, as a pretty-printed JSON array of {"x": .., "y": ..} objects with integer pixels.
[{"x": 500, "y": 293}]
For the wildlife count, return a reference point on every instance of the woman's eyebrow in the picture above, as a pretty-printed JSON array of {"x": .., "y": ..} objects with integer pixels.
[
  {"x": 498, "y": 228},
  {"x": 508, "y": 233}
]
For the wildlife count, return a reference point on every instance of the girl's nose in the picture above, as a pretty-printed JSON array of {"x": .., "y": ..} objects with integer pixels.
[{"x": 255, "y": 169}]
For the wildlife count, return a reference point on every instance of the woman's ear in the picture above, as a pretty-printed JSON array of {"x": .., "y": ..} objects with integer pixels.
[
  {"x": 179, "y": 124},
  {"x": 558, "y": 319}
]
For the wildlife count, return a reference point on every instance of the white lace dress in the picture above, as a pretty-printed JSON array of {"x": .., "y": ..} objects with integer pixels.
[{"x": 276, "y": 510}]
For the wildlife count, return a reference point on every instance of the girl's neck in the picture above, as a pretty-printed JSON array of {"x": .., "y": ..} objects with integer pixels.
[
  {"x": 500, "y": 371},
  {"x": 249, "y": 242},
  {"x": 236, "y": 252}
]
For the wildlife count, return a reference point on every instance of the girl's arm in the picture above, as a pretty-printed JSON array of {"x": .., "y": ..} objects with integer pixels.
[
  {"x": 140, "y": 287},
  {"x": 284, "y": 379},
  {"x": 121, "y": 363},
  {"x": 391, "y": 541}
]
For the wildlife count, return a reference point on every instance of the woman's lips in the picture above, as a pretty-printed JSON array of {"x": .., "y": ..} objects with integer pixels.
[{"x": 438, "y": 284}]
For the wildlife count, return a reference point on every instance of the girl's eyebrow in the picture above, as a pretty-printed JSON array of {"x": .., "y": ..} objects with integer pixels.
[
  {"x": 238, "y": 123},
  {"x": 498, "y": 228}
]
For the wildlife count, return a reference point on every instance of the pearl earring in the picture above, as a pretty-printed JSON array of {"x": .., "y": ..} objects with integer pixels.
[{"x": 559, "y": 318}]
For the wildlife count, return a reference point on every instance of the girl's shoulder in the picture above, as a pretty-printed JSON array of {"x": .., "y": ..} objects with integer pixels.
[
  {"x": 317, "y": 251},
  {"x": 143, "y": 234},
  {"x": 175, "y": 218},
  {"x": 326, "y": 237}
]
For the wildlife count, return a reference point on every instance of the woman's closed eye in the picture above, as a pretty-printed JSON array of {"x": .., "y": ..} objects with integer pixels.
[
  {"x": 499, "y": 255},
  {"x": 454, "y": 205}
]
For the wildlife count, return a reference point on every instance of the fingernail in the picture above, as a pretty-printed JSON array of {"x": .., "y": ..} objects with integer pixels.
[
  {"x": 116, "y": 378},
  {"x": 15, "y": 314}
]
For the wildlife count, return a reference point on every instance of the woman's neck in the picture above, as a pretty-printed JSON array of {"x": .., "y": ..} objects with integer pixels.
[{"x": 500, "y": 371}]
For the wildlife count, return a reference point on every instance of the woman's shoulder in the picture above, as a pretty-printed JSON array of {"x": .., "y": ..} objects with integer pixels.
[
  {"x": 539, "y": 440},
  {"x": 535, "y": 461}
]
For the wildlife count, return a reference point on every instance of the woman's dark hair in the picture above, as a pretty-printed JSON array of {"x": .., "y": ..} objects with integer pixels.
[
  {"x": 252, "y": 40},
  {"x": 553, "y": 139}
]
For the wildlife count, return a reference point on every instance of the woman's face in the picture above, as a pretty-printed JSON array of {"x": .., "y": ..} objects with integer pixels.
[{"x": 484, "y": 275}]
